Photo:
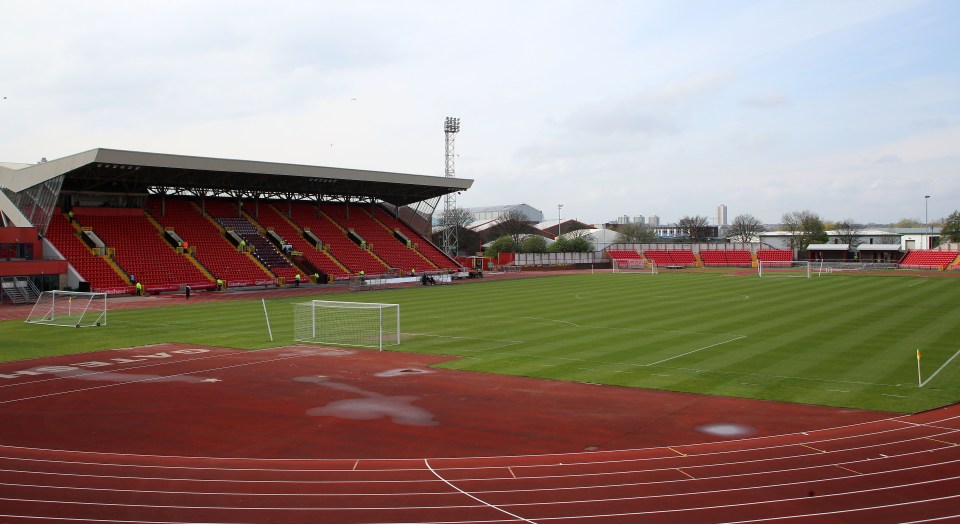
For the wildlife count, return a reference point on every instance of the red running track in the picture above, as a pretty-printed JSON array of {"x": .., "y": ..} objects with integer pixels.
[{"x": 192, "y": 434}]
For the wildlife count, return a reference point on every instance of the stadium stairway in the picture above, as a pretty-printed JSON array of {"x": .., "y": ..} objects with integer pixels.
[
  {"x": 336, "y": 238},
  {"x": 392, "y": 249},
  {"x": 380, "y": 240},
  {"x": 422, "y": 245},
  {"x": 273, "y": 218},
  {"x": 230, "y": 216},
  {"x": 208, "y": 245}
]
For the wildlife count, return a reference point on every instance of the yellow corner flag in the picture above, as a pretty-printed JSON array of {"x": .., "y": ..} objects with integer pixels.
[{"x": 918, "y": 354}]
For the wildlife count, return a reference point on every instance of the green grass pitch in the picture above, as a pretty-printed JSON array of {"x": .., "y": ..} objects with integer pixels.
[{"x": 847, "y": 341}]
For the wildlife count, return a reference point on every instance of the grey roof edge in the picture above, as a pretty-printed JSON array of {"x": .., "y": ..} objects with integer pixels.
[
  {"x": 21, "y": 179},
  {"x": 164, "y": 160}
]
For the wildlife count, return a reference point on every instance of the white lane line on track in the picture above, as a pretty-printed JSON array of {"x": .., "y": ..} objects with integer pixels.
[
  {"x": 569, "y": 456},
  {"x": 538, "y": 478},
  {"x": 426, "y": 462},
  {"x": 685, "y": 491},
  {"x": 521, "y": 504}
]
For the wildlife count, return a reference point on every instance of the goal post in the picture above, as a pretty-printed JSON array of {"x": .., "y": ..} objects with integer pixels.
[
  {"x": 69, "y": 308},
  {"x": 784, "y": 268},
  {"x": 359, "y": 324},
  {"x": 634, "y": 265}
]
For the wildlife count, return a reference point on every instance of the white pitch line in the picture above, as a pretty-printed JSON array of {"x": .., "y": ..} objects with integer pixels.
[
  {"x": 696, "y": 350},
  {"x": 426, "y": 462},
  {"x": 924, "y": 383}
]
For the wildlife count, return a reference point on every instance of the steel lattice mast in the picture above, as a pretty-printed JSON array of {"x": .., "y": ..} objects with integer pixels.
[{"x": 450, "y": 127}]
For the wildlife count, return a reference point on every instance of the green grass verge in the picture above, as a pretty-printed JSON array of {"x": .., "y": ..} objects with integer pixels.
[{"x": 835, "y": 340}]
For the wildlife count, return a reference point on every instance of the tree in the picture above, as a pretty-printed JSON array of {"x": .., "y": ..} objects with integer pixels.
[
  {"x": 534, "y": 244},
  {"x": 951, "y": 228},
  {"x": 696, "y": 228},
  {"x": 745, "y": 228},
  {"x": 908, "y": 222},
  {"x": 458, "y": 215},
  {"x": 560, "y": 245},
  {"x": 581, "y": 242},
  {"x": 848, "y": 232},
  {"x": 805, "y": 228},
  {"x": 504, "y": 244},
  {"x": 514, "y": 223},
  {"x": 634, "y": 233}
]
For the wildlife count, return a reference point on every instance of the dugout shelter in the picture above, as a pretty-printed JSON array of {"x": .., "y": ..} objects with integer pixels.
[{"x": 32, "y": 196}]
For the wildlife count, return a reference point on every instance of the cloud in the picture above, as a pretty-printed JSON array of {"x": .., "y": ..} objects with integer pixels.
[
  {"x": 887, "y": 159},
  {"x": 767, "y": 101}
]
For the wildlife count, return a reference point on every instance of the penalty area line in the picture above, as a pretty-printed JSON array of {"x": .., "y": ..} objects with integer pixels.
[{"x": 696, "y": 350}]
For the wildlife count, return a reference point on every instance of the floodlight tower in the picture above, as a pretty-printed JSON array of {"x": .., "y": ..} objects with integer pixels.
[{"x": 450, "y": 129}]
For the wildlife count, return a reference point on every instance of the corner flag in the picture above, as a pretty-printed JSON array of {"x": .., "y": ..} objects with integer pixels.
[{"x": 919, "y": 380}]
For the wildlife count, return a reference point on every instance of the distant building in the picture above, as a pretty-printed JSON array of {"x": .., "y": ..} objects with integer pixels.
[
  {"x": 722, "y": 215},
  {"x": 480, "y": 214},
  {"x": 653, "y": 221},
  {"x": 638, "y": 219}
]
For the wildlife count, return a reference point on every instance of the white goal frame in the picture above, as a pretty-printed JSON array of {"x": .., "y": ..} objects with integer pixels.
[
  {"x": 634, "y": 265},
  {"x": 69, "y": 309},
  {"x": 356, "y": 324},
  {"x": 784, "y": 268}
]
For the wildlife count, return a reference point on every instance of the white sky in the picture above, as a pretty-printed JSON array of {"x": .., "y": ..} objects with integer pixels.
[{"x": 668, "y": 108}]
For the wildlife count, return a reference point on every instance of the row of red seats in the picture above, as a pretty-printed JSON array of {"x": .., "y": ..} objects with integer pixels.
[
  {"x": 928, "y": 259},
  {"x": 92, "y": 268},
  {"x": 141, "y": 251},
  {"x": 385, "y": 245},
  {"x": 427, "y": 249},
  {"x": 624, "y": 254},
  {"x": 341, "y": 247},
  {"x": 271, "y": 218},
  {"x": 212, "y": 249},
  {"x": 671, "y": 257},
  {"x": 729, "y": 258}
]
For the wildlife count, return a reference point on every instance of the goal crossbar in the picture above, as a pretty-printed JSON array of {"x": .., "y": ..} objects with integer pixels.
[{"x": 70, "y": 309}]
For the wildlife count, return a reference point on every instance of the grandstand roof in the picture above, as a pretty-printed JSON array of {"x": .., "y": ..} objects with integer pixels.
[
  {"x": 828, "y": 247},
  {"x": 878, "y": 247},
  {"x": 118, "y": 171}
]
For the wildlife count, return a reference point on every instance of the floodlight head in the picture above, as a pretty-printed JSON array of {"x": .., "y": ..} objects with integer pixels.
[{"x": 451, "y": 125}]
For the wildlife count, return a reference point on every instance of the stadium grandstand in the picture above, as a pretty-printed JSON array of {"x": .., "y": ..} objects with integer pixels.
[{"x": 106, "y": 220}]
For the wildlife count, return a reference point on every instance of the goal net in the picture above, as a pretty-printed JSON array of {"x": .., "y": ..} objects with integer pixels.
[
  {"x": 634, "y": 265},
  {"x": 360, "y": 324},
  {"x": 827, "y": 267},
  {"x": 69, "y": 308},
  {"x": 784, "y": 268}
]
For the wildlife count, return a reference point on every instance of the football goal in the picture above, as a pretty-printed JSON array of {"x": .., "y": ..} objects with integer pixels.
[
  {"x": 360, "y": 324},
  {"x": 69, "y": 308},
  {"x": 825, "y": 267},
  {"x": 634, "y": 265},
  {"x": 784, "y": 268}
]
